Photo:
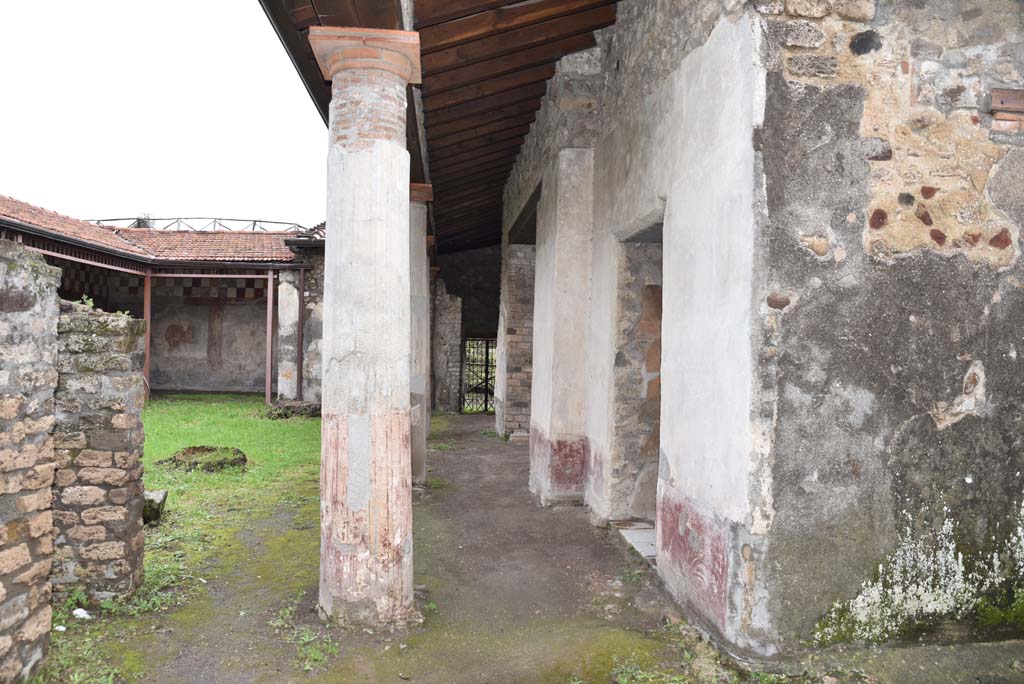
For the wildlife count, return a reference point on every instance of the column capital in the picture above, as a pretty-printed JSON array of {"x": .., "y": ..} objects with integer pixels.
[{"x": 339, "y": 48}]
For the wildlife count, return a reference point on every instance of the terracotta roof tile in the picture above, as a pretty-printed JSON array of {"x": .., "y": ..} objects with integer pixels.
[
  {"x": 187, "y": 245},
  {"x": 52, "y": 222},
  {"x": 161, "y": 245}
]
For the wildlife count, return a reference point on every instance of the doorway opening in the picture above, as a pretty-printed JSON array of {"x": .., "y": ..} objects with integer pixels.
[
  {"x": 637, "y": 389},
  {"x": 479, "y": 367}
]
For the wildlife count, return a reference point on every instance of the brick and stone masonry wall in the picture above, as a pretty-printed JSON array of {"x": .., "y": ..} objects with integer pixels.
[
  {"x": 98, "y": 491},
  {"x": 515, "y": 343},
  {"x": 28, "y": 352},
  {"x": 447, "y": 349}
]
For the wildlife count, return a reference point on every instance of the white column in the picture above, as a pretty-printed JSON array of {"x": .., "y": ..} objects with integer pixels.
[
  {"x": 420, "y": 300},
  {"x": 288, "y": 335},
  {"x": 365, "y": 478}
]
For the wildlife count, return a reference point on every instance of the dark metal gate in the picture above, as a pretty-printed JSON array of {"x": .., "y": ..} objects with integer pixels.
[{"x": 478, "y": 371}]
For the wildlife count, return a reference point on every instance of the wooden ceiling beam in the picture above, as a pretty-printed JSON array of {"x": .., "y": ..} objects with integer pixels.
[
  {"x": 489, "y": 199},
  {"x": 461, "y": 246},
  {"x": 448, "y": 166},
  {"x": 430, "y": 12},
  {"x": 503, "y": 102},
  {"x": 304, "y": 16},
  {"x": 492, "y": 68},
  {"x": 489, "y": 214},
  {"x": 457, "y": 153},
  {"x": 470, "y": 174},
  {"x": 500, "y": 20},
  {"x": 517, "y": 40},
  {"x": 477, "y": 181},
  {"x": 473, "y": 230},
  {"x": 480, "y": 140},
  {"x": 523, "y": 111},
  {"x": 496, "y": 186},
  {"x": 468, "y": 204},
  {"x": 485, "y": 127},
  {"x": 501, "y": 84},
  {"x": 379, "y": 14},
  {"x": 475, "y": 225}
]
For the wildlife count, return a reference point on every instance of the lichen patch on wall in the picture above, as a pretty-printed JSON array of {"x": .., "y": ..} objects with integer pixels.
[{"x": 925, "y": 577}]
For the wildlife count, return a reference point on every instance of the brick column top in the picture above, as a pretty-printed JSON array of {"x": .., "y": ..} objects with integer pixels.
[{"x": 340, "y": 48}]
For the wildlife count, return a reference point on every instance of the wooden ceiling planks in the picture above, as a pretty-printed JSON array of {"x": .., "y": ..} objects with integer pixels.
[
  {"x": 486, "y": 24},
  {"x": 486, "y": 64},
  {"x": 485, "y": 72}
]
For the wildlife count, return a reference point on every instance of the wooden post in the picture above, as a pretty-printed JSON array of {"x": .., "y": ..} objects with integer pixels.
[
  {"x": 147, "y": 315},
  {"x": 270, "y": 334}
]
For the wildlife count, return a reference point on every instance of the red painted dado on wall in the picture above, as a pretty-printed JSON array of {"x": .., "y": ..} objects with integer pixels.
[{"x": 695, "y": 546}]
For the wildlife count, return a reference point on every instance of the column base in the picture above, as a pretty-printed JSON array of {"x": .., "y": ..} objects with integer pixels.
[
  {"x": 364, "y": 614},
  {"x": 556, "y": 468}
]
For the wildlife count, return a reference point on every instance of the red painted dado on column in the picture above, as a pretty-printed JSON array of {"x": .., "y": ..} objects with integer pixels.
[{"x": 366, "y": 481}]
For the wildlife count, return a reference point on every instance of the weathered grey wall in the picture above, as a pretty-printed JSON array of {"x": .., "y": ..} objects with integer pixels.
[
  {"x": 446, "y": 349},
  {"x": 28, "y": 377},
  {"x": 98, "y": 437},
  {"x": 474, "y": 277},
  {"x": 890, "y": 314},
  {"x": 515, "y": 342},
  {"x": 209, "y": 336}
]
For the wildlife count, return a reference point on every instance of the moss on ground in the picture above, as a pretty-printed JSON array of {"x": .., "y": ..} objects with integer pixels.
[
  {"x": 240, "y": 551},
  {"x": 199, "y": 536}
]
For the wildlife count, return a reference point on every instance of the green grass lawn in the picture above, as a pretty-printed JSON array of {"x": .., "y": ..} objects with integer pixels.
[{"x": 204, "y": 510}]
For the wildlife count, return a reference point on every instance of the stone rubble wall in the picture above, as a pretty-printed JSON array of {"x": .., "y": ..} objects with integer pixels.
[
  {"x": 889, "y": 390},
  {"x": 515, "y": 342},
  {"x": 98, "y": 489},
  {"x": 447, "y": 349},
  {"x": 632, "y": 468},
  {"x": 28, "y": 377}
]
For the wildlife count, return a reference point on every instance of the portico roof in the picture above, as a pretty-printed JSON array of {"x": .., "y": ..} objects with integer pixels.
[{"x": 485, "y": 67}]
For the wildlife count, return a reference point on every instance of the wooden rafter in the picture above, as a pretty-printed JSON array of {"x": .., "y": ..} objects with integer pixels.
[{"x": 485, "y": 63}]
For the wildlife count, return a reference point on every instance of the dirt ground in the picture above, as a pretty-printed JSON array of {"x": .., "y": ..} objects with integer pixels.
[{"x": 511, "y": 593}]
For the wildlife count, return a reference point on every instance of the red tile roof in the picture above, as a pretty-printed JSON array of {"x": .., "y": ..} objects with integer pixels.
[
  {"x": 53, "y": 222},
  {"x": 187, "y": 245},
  {"x": 159, "y": 245}
]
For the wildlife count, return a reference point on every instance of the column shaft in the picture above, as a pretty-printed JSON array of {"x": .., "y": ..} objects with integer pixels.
[
  {"x": 420, "y": 303},
  {"x": 366, "y": 479}
]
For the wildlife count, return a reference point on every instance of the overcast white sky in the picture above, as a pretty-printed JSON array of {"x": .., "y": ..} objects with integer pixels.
[{"x": 113, "y": 108}]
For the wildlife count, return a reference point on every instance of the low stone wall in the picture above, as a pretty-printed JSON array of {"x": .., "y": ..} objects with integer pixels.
[
  {"x": 28, "y": 352},
  {"x": 98, "y": 491}
]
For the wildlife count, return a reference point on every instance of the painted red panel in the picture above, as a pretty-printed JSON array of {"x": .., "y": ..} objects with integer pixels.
[{"x": 696, "y": 547}]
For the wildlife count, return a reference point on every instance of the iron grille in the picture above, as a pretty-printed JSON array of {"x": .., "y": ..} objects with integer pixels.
[{"x": 478, "y": 371}]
